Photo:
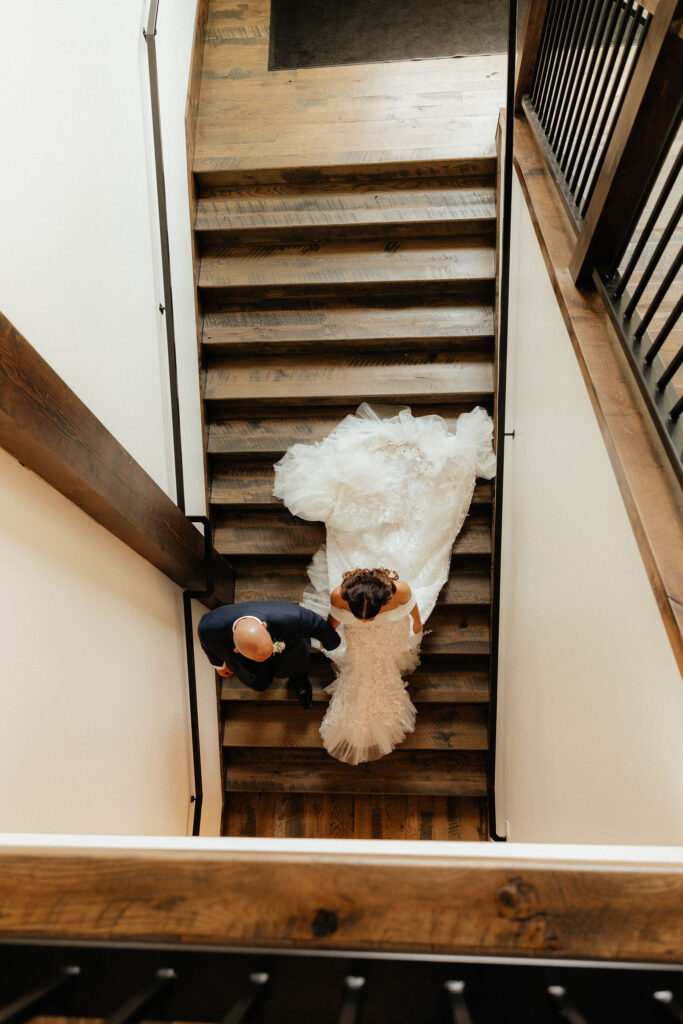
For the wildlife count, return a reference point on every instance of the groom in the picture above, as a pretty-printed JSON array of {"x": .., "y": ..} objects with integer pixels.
[{"x": 259, "y": 641}]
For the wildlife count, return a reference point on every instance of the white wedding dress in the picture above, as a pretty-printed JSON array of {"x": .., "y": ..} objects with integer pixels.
[{"x": 393, "y": 491}]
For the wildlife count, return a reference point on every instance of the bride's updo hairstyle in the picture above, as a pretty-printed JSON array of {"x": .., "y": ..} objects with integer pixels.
[{"x": 366, "y": 591}]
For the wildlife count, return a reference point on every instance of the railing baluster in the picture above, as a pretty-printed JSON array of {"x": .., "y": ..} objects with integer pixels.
[
  {"x": 569, "y": 56},
  {"x": 677, "y": 410},
  {"x": 460, "y": 1013},
  {"x": 557, "y": 58},
  {"x": 647, "y": 230},
  {"x": 656, "y": 256},
  {"x": 573, "y": 117},
  {"x": 594, "y": 75},
  {"x": 351, "y": 1000},
  {"x": 610, "y": 110},
  {"x": 256, "y": 986},
  {"x": 562, "y": 112},
  {"x": 661, "y": 292},
  {"x": 539, "y": 77},
  {"x": 563, "y": 1008},
  {"x": 131, "y": 1010},
  {"x": 591, "y": 142},
  {"x": 675, "y": 363},
  {"x": 550, "y": 56},
  {"x": 24, "y": 1007},
  {"x": 668, "y": 1005}
]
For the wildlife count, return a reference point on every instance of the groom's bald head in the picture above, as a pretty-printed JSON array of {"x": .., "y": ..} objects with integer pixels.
[{"x": 252, "y": 639}]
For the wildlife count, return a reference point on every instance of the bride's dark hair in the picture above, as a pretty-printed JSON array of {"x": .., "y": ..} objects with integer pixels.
[{"x": 366, "y": 591}]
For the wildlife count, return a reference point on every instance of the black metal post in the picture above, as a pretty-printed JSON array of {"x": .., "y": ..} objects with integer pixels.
[
  {"x": 256, "y": 986},
  {"x": 460, "y": 1013},
  {"x": 25, "y": 1007},
  {"x": 132, "y": 1009},
  {"x": 354, "y": 985}
]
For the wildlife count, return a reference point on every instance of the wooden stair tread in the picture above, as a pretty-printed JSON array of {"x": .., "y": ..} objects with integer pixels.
[
  {"x": 355, "y": 816},
  {"x": 352, "y": 379},
  {"x": 271, "y": 436},
  {"x": 251, "y": 486},
  {"x": 296, "y": 770},
  {"x": 280, "y": 330},
  {"x": 275, "y": 582},
  {"x": 305, "y": 213},
  {"x": 261, "y": 533},
  {"x": 436, "y": 727},
  {"x": 332, "y": 197},
  {"x": 425, "y": 687},
  {"x": 370, "y": 263}
]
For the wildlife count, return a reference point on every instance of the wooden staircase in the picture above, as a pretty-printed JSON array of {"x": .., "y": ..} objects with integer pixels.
[{"x": 317, "y": 295}]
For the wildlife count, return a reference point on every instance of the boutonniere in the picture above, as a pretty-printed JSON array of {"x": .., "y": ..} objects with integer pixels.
[{"x": 278, "y": 646}]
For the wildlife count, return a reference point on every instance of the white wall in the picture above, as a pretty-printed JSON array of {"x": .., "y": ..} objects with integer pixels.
[
  {"x": 590, "y": 742},
  {"x": 80, "y": 278}
]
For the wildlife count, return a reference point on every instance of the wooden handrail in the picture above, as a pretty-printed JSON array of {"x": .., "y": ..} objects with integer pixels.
[
  {"x": 52, "y": 432},
  {"x": 501, "y": 905},
  {"x": 648, "y": 115}
]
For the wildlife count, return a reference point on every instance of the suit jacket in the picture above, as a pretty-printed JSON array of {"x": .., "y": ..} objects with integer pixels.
[{"x": 285, "y": 621}]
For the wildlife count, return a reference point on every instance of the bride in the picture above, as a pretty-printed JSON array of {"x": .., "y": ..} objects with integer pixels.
[{"x": 393, "y": 490}]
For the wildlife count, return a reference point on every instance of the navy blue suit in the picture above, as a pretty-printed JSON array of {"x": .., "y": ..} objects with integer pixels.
[{"x": 289, "y": 622}]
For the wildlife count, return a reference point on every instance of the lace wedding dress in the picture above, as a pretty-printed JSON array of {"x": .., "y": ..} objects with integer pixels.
[{"x": 393, "y": 491}]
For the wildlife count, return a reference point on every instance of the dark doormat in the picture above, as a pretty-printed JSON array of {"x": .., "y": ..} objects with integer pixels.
[{"x": 318, "y": 33}]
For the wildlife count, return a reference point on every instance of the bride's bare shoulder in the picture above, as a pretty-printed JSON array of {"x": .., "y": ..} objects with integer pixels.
[
  {"x": 403, "y": 592},
  {"x": 336, "y": 599}
]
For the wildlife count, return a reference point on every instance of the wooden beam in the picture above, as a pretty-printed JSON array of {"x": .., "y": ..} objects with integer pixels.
[
  {"x": 502, "y": 906},
  {"x": 650, "y": 491},
  {"x": 648, "y": 115},
  {"x": 532, "y": 29},
  {"x": 48, "y": 428}
]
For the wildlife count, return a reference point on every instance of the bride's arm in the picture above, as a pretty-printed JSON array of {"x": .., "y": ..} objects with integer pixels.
[
  {"x": 405, "y": 594},
  {"x": 335, "y": 602}
]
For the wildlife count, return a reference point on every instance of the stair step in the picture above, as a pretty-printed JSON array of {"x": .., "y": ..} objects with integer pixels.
[
  {"x": 435, "y": 378},
  {"x": 359, "y": 816},
  {"x": 272, "y": 581},
  {"x": 283, "y": 331},
  {"x": 426, "y": 686},
  {"x": 442, "y": 773},
  {"x": 251, "y": 486},
  {"x": 423, "y": 265},
  {"x": 279, "y": 533},
  {"x": 436, "y": 727},
  {"x": 471, "y": 158},
  {"x": 302, "y": 213},
  {"x": 269, "y": 437}
]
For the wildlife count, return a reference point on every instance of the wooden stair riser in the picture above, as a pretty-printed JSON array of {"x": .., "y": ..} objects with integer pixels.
[
  {"x": 346, "y": 816},
  {"x": 304, "y": 234},
  {"x": 442, "y": 773}
]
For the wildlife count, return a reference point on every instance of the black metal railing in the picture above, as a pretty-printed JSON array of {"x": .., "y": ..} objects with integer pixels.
[
  {"x": 588, "y": 52},
  {"x": 125, "y": 985},
  {"x": 643, "y": 290},
  {"x": 166, "y": 311}
]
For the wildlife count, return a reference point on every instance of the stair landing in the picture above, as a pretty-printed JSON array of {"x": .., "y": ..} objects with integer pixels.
[{"x": 256, "y": 125}]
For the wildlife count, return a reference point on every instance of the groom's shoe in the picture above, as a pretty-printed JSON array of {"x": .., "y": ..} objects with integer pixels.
[{"x": 304, "y": 692}]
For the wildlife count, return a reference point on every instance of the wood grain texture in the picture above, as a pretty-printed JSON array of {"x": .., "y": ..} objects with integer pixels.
[
  {"x": 460, "y": 686},
  {"x": 296, "y": 770},
  {"x": 438, "y": 727},
  {"x": 270, "y": 435},
  {"x": 279, "y": 533},
  {"x": 355, "y": 816},
  {"x": 47, "y": 428},
  {"x": 530, "y": 42},
  {"x": 456, "y": 906},
  {"x": 347, "y": 327},
  {"x": 351, "y": 379},
  {"x": 651, "y": 495}
]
